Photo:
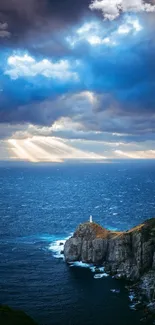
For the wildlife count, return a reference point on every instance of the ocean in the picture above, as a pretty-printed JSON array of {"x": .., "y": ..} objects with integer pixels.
[{"x": 40, "y": 206}]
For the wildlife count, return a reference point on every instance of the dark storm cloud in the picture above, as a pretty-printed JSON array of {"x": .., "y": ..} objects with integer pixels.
[
  {"x": 34, "y": 110},
  {"x": 26, "y": 16}
]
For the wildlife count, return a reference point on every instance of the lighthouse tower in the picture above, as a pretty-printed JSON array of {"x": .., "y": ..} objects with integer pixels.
[{"x": 91, "y": 219}]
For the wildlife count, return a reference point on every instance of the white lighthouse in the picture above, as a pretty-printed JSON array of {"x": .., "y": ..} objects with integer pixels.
[{"x": 91, "y": 219}]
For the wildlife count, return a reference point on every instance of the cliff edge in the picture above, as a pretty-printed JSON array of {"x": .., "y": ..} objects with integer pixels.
[{"x": 129, "y": 254}]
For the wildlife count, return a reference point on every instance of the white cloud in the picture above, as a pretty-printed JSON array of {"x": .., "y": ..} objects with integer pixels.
[
  {"x": 130, "y": 26},
  {"x": 87, "y": 27},
  {"x": 94, "y": 40},
  {"x": 136, "y": 25},
  {"x": 111, "y": 9},
  {"x": 66, "y": 123},
  {"x": 109, "y": 41},
  {"x": 123, "y": 29},
  {"x": 89, "y": 32},
  {"x": 26, "y": 66},
  {"x": 92, "y": 33},
  {"x": 95, "y": 34}
]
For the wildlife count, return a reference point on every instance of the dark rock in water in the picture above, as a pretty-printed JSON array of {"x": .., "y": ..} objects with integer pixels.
[
  {"x": 62, "y": 252},
  {"x": 129, "y": 255},
  {"x": 61, "y": 244},
  {"x": 9, "y": 316}
]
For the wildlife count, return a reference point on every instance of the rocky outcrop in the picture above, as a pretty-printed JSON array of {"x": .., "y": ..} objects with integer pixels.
[
  {"x": 9, "y": 316},
  {"x": 88, "y": 244},
  {"x": 129, "y": 254}
]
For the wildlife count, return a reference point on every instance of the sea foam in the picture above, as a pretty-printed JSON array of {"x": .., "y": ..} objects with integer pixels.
[
  {"x": 100, "y": 275},
  {"x": 80, "y": 264},
  {"x": 98, "y": 270},
  {"x": 57, "y": 247}
]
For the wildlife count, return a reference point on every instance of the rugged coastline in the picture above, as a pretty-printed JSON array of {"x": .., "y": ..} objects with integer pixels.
[{"x": 129, "y": 255}]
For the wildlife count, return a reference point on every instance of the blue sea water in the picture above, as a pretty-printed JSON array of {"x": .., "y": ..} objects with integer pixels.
[{"x": 42, "y": 205}]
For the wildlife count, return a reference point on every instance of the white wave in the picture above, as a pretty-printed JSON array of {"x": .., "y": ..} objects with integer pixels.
[
  {"x": 100, "y": 275},
  {"x": 80, "y": 264},
  {"x": 57, "y": 247},
  {"x": 95, "y": 269}
]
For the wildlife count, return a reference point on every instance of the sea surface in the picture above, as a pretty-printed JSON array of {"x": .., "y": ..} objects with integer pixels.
[{"x": 40, "y": 206}]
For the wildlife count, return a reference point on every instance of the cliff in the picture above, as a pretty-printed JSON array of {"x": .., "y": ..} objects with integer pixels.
[{"x": 129, "y": 254}]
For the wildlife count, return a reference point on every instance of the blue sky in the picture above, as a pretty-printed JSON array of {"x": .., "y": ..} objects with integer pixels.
[{"x": 77, "y": 82}]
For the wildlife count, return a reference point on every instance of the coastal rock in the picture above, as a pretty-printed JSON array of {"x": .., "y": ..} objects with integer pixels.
[
  {"x": 72, "y": 249},
  {"x": 9, "y": 316},
  {"x": 147, "y": 285},
  {"x": 129, "y": 254},
  {"x": 87, "y": 244}
]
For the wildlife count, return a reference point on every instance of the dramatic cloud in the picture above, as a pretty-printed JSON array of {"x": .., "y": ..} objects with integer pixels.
[
  {"x": 112, "y": 9},
  {"x": 33, "y": 18},
  {"x": 26, "y": 66},
  {"x": 69, "y": 74}
]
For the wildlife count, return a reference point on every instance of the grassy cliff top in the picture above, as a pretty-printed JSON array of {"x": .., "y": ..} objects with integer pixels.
[
  {"x": 93, "y": 230},
  {"x": 148, "y": 224}
]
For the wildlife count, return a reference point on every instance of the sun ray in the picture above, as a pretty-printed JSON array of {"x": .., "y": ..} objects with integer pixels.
[
  {"x": 42, "y": 154},
  {"x": 20, "y": 152},
  {"x": 69, "y": 152},
  {"x": 48, "y": 149}
]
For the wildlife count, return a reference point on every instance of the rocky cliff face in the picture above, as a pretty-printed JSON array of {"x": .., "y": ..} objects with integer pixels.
[{"x": 129, "y": 254}]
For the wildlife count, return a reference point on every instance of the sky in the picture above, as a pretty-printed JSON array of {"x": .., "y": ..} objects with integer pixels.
[{"x": 77, "y": 80}]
